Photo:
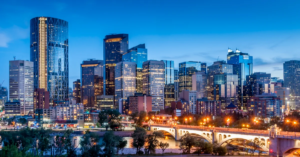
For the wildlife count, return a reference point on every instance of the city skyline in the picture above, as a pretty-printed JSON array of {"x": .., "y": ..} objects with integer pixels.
[{"x": 253, "y": 28}]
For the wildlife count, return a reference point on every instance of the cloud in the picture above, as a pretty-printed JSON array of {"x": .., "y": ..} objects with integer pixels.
[
  {"x": 4, "y": 40},
  {"x": 275, "y": 60},
  {"x": 10, "y": 34},
  {"x": 277, "y": 69}
]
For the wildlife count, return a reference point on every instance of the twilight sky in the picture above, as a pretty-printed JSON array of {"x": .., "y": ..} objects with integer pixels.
[{"x": 179, "y": 30}]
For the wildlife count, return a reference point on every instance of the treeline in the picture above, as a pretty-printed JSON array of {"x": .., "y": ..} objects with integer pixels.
[{"x": 40, "y": 142}]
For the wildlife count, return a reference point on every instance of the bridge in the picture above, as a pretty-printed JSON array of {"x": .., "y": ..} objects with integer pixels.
[{"x": 273, "y": 140}]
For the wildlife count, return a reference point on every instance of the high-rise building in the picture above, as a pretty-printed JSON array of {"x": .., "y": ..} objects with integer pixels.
[
  {"x": 105, "y": 102},
  {"x": 199, "y": 84},
  {"x": 91, "y": 82},
  {"x": 169, "y": 83},
  {"x": 242, "y": 66},
  {"x": 49, "y": 51},
  {"x": 154, "y": 82},
  {"x": 176, "y": 85},
  {"x": 257, "y": 84},
  {"x": 218, "y": 68},
  {"x": 125, "y": 82},
  {"x": 41, "y": 99},
  {"x": 21, "y": 84},
  {"x": 139, "y": 55},
  {"x": 291, "y": 76},
  {"x": 77, "y": 91},
  {"x": 186, "y": 71},
  {"x": 140, "y": 102},
  {"x": 203, "y": 67},
  {"x": 208, "y": 107},
  {"x": 114, "y": 47},
  {"x": 191, "y": 98},
  {"x": 3, "y": 96},
  {"x": 70, "y": 93}
]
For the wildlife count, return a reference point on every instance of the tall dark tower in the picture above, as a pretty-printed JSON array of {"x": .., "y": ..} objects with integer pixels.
[
  {"x": 49, "y": 51},
  {"x": 114, "y": 47}
]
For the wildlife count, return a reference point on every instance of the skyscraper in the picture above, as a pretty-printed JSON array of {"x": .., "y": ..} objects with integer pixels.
[
  {"x": 199, "y": 83},
  {"x": 77, "y": 91},
  {"x": 176, "y": 85},
  {"x": 291, "y": 74},
  {"x": 3, "y": 96},
  {"x": 257, "y": 84},
  {"x": 49, "y": 51},
  {"x": 139, "y": 55},
  {"x": 114, "y": 47},
  {"x": 169, "y": 83},
  {"x": 21, "y": 84},
  {"x": 186, "y": 71},
  {"x": 91, "y": 82},
  {"x": 242, "y": 66},
  {"x": 125, "y": 82},
  {"x": 153, "y": 82}
]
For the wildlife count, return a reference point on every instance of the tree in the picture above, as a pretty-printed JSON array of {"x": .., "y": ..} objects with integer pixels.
[
  {"x": 186, "y": 143},
  {"x": 202, "y": 146},
  {"x": 23, "y": 121},
  {"x": 111, "y": 142},
  {"x": 12, "y": 151},
  {"x": 102, "y": 117},
  {"x": 89, "y": 144},
  {"x": 152, "y": 141},
  {"x": 141, "y": 119},
  {"x": 163, "y": 146},
  {"x": 220, "y": 150},
  {"x": 122, "y": 144},
  {"x": 139, "y": 138}
]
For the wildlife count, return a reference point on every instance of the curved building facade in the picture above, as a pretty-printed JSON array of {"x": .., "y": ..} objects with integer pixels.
[{"x": 49, "y": 50}]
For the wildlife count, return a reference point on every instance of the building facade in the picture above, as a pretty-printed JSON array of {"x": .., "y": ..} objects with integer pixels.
[
  {"x": 41, "y": 99},
  {"x": 49, "y": 51},
  {"x": 3, "y": 96},
  {"x": 21, "y": 84},
  {"x": 208, "y": 107},
  {"x": 140, "y": 102},
  {"x": 291, "y": 76},
  {"x": 125, "y": 81},
  {"x": 77, "y": 91},
  {"x": 114, "y": 47},
  {"x": 186, "y": 71},
  {"x": 176, "y": 85},
  {"x": 91, "y": 82},
  {"x": 191, "y": 98},
  {"x": 199, "y": 84},
  {"x": 12, "y": 108},
  {"x": 154, "y": 82},
  {"x": 137, "y": 54},
  {"x": 169, "y": 83},
  {"x": 105, "y": 102},
  {"x": 242, "y": 66}
]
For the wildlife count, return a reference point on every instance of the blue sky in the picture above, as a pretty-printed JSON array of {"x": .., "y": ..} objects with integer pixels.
[{"x": 179, "y": 30}]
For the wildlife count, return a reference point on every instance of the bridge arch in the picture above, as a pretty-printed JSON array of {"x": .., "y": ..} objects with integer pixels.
[
  {"x": 166, "y": 129},
  {"x": 263, "y": 147},
  {"x": 203, "y": 134}
]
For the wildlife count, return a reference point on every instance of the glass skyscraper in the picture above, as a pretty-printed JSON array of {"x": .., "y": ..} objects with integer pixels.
[
  {"x": 3, "y": 96},
  {"x": 169, "y": 82},
  {"x": 154, "y": 82},
  {"x": 114, "y": 46},
  {"x": 21, "y": 84},
  {"x": 291, "y": 74},
  {"x": 186, "y": 71},
  {"x": 242, "y": 66},
  {"x": 49, "y": 51},
  {"x": 176, "y": 85},
  {"x": 139, "y": 55},
  {"x": 91, "y": 82},
  {"x": 125, "y": 82},
  {"x": 257, "y": 84}
]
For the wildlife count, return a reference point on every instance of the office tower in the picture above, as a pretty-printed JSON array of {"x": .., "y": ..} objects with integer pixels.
[
  {"x": 265, "y": 106},
  {"x": 199, "y": 84},
  {"x": 242, "y": 66},
  {"x": 176, "y": 85},
  {"x": 291, "y": 75},
  {"x": 49, "y": 51},
  {"x": 191, "y": 98},
  {"x": 257, "y": 84},
  {"x": 21, "y": 84},
  {"x": 140, "y": 102},
  {"x": 218, "y": 67},
  {"x": 169, "y": 83},
  {"x": 203, "y": 67},
  {"x": 284, "y": 94},
  {"x": 41, "y": 99},
  {"x": 12, "y": 108},
  {"x": 208, "y": 107},
  {"x": 70, "y": 93},
  {"x": 77, "y": 91},
  {"x": 125, "y": 82},
  {"x": 186, "y": 71},
  {"x": 105, "y": 102},
  {"x": 139, "y": 55},
  {"x": 3, "y": 96},
  {"x": 91, "y": 82},
  {"x": 153, "y": 82},
  {"x": 225, "y": 88},
  {"x": 114, "y": 47}
]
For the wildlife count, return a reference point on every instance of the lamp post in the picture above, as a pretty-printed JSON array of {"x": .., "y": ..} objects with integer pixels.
[{"x": 228, "y": 122}]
